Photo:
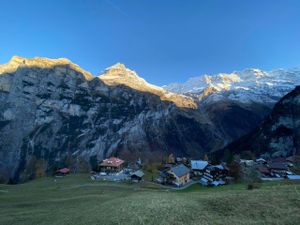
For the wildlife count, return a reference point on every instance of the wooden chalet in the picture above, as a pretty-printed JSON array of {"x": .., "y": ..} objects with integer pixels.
[
  {"x": 214, "y": 175},
  {"x": 179, "y": 174},
  {"x": 198, "y": 167},
  {"x": 279, "y": 169},
  {"x": 111, "y": 164}
]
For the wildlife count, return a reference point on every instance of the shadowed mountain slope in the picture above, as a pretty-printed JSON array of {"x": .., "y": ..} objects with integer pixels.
[
  {"x": 52, "y": 113},
  {"x": 279, "y": 133}
]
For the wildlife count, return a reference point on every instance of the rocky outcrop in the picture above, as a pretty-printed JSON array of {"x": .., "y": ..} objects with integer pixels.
[
  {"x": 53, "y": 113},
  {"x": 278, "y": 135}
]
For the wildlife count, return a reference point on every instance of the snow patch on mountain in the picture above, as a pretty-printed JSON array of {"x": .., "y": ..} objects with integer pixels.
[
  {"x": 118, "y": 74},
  {"x": 249, "y": 85}
]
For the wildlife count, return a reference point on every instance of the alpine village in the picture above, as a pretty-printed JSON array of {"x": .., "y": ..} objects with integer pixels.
[{"x": 139, "y": 112}]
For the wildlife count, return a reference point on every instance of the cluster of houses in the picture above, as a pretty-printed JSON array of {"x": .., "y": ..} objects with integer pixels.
[
  {"x": 278, "y": 168},
  {"x": 114, "y": 169},
  {"x": 176, "y": 172},
  {"x": 181, "y": 171}
]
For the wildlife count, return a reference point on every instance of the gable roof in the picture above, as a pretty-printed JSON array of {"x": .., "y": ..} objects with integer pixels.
[
  {"x": 278, "y": 166},
  {"x": 198, "y": 164},
  {"x": 217, "y": 183},
  {"x": 64, "y": 170},
  {"x": 138, "y": 173},
  {"x": 220, "y": 167},
  {"x": 293, "y": 177},
  {"x": 112, "y": 162},
  {"x": 180, "y": 170},
  {"x": 278, "y": 160},
  {"x": 260, "y": 160},
  {"x": 204, "y": 181},
  {"x": 263, "y": 170}
]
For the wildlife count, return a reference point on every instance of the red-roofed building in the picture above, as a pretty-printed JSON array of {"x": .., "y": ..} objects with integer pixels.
[
  {"x": 63, "y": 171},
  {"x": 112, "y": 164},
  {"x": 264, "y": 171}
]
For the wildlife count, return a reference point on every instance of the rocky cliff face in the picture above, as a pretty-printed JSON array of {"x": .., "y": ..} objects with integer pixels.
[
  {"x": 278, "y": 135},
  {"x": 53, "y": 113}
]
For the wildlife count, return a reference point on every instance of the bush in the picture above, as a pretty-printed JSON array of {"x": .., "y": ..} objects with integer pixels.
[
  {"x": 251, "y": 176},
  {"x": 253, "y": 186}
]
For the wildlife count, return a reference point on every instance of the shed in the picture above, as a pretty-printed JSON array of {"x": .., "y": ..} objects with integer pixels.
[{"x": 137, "y": 175}]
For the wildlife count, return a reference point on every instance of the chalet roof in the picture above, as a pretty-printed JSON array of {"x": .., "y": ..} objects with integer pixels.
[
  {"x": 138, "y": 173},
  {"x": 218, "y": 183},
  {"x": 180, "y": 170},
  {"x": 278, "y": 160},
  {"x": 293, "y": 177},
  {"x": 112, "y": 162},
  {"x": 64, "y": 170},
  {"x": 163, "y": 174},
  {"x": 247, "y": 162},
  {"x": 279, "y": 166},
  {"x": 198, "y": 164},
  {"x": 263, "y": 170},
  {"x": 220, "y": 167},
  {"x": 290, "y": 159},
  {"x": 204, "y": 181},
  {"x": 260, "y": 160},
  {"x": 216, "y": 167}
]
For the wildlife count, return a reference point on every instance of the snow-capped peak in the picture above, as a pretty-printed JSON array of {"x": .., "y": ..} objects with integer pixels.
[
  {"x": 248, "y": 85},
  {"x": 118, "y": 74}
]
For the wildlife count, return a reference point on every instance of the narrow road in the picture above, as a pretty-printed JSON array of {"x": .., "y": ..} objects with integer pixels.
[{"x": 186, "y": 185}]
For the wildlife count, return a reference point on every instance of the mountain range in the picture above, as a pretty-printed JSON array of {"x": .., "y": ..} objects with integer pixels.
[
  {"x": 246, "y": 86},
  {"x": 54, "y": 113}
]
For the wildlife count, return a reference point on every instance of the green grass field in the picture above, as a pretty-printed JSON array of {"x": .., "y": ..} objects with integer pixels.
[{"x": 78, "y": 200}]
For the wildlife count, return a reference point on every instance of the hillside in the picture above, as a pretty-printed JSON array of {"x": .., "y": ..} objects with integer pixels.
[
  {"x": 53, "y": 113},
  {"x": 77, "y": 200},
  {"x": 279, "y": 133},
  {"x": 238, "y": 102}
]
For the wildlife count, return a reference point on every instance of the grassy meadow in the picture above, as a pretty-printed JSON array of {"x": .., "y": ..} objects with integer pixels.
[{"x": 76, "y": 199}]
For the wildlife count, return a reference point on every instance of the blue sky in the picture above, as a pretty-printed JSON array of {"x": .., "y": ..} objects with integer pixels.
[{"x": 163, "y": 40}]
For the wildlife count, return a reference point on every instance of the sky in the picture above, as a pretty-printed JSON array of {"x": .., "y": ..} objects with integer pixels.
[{"x": 164, "y": 41}]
